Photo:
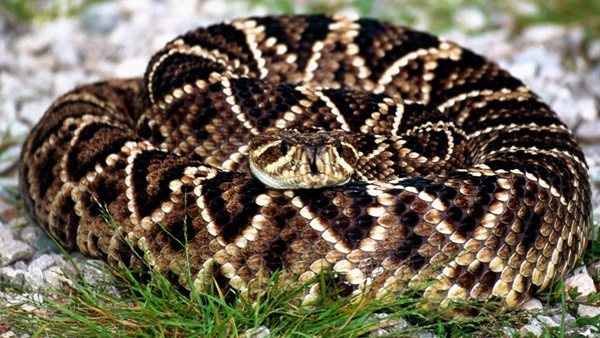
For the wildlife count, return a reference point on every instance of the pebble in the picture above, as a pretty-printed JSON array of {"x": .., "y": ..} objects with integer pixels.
[
  {"x": 583, "y": 282},
  {"x": 470, "y": 18},
  {"x": 102, "y": 18},
  {"x": 527, "y": 329},
  {"x": 588, "y": 311},
  {"x": 257, "y": 332},
  {"x": 389, "y": 326},
  {"x": 11, "y": 249},
  {"x": 532, "y": 304}
]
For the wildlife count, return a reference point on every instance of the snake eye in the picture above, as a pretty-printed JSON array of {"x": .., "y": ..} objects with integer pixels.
[{"x": 284, "y": 147}]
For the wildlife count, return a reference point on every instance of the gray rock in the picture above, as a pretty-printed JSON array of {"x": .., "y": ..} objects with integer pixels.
[
  {"x": 54, "y": 276},
  {"x": 548, "y": 321},
  {"x": 470, "y": 18},
  {"x": 12, "y": 277},
  {"x": 388, "y": 325},
  {"x": 257, "y": 332},
  {"x": 533, "y": 329},
  {"x": 532, "y": 304},
  {"x": 12, "y": 250},
  {"x": 102, "y": 17},
  {"x": 41, "y": 263},
  {"x": 30, "y": 233},
  {"x": 583, "y": 282},
  {"x": 588, "y": 310}
]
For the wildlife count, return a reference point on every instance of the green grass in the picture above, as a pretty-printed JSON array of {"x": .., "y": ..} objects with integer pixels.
[
  {"x": 42, "y": 10},
  {"x": 158, "y": 309},
  {"x": 152, "y": 306},
  {"x": 155, "y": 307}
]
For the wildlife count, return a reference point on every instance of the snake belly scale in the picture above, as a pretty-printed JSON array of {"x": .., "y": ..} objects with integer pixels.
[{"x": 463, "y": 176}]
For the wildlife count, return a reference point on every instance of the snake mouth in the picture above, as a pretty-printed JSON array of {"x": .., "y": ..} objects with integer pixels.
[{"x": 298, "y": 181}]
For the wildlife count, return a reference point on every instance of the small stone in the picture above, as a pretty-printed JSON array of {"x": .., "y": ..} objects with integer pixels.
[
  {"x": 12, "y": 250},
  {"x": 509, "y": 331},
  {"x": 12, "y": 277},
  {"x": 54, "y": 276},
  {"x": 257, "y": 332},
  {"x": 388, "y": 326},
  {"x": 30, "y": 233},
  {"x": 536, "y": 331},
  {"x": 547, "y": 321},
  {"x": 34, "y": 279},
  {"x": 588, "y": 310},
  {"x": 42, "y": 262},
  {"x": 583, "y": 282},
  {"x": 425, "y": 334},
  {"x": 131, "y": 67},
  {"x": 470, "y": 18},
  {"x": 543, "y": 33},
  {"x": 532, "y": 304},
  {"x": 102, "y": 17}
]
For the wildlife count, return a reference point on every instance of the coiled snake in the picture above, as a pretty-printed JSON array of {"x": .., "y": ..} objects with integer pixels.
[{"x": 459, "y": 174}]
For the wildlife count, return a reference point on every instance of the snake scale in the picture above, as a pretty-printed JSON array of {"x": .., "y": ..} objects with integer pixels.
[{"x": 464, "y": 177}]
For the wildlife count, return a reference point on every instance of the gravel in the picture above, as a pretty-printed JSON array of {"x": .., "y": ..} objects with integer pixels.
[{"x": 115, "y": 39}]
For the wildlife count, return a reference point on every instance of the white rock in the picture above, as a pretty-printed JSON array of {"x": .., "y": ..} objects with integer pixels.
[
  {"x": 54, "y": 276},
  {"x": 583, "y": 282},
  {"x": 588, "y": 310},
  {"x": 34, "y": 279},
  {"x": 388, "y": 325},
  {"x": 470, "y": 18},
  {"x": 8, "y": 273},
  {"x": 536, "y": 331},
  {"x": 257, "y": 332},
  {"x": 532, "y": 304},
  {"x": 594, "y": 49},
  {"x": 543, "y": 33},
  {"x": 586, "y": 108},
  {"x": 589, "y": 130},
  {"x": 102, "y": 17},
  {"x": 509, "y": 331},
  {"x": 525, "y": 69},
  {"x": 12, "y": 277},
  {"x": 12, "y": 250},
  {"x": 30, "y": 233},
  {"x": 42, "y": 262},
  {"x": 131, "y": 67},
  {"x": 547, "y": 321},
  {"x": 425, "y": 334}
]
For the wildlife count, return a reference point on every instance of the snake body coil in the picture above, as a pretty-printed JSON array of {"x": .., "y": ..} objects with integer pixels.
[{"x": 464, "y": 176}]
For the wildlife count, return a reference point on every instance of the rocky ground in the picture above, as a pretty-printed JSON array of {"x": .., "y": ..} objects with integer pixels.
[{"x": 40, "y": 61}]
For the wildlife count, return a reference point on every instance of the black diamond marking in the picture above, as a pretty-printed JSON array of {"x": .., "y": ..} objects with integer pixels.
[
  {"x": 343, "y": 98},
  {"x": 179, "y": 69},
  {"x": 226, "y": 39},
  {"x": 469, "y": 60},
  {"x": 371, "y": 29},
  {"x": 145, "y": 201},
  {"x": 232, "y": 224},
  {"x": 78, "y": 168},
  {"x": 316, "y": 29},
  {"x": 70, "y": 108}
]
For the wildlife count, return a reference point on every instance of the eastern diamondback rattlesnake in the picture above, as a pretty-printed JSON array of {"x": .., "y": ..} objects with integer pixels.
[{"x": 464, "y": 176}]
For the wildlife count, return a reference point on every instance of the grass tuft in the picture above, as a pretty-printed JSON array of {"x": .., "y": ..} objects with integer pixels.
[{"x": 157, "y": 307}]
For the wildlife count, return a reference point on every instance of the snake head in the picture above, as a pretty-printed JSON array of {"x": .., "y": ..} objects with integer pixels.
[{"x": 303, "y": 158}]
